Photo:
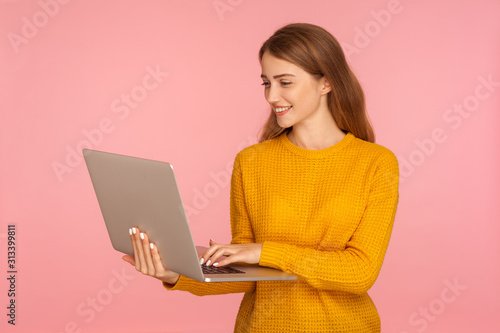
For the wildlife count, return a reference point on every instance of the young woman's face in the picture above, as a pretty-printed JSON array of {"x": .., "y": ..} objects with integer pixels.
[{"x": 294, "y": 95}]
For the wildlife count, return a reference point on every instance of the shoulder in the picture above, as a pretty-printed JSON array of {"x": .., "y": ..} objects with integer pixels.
[
  {"x": 372, "y": 160},
  {"x": 379, "y": 163},
  {"x": 258, "y": 151},
  {"x": 373, "y": 152}
]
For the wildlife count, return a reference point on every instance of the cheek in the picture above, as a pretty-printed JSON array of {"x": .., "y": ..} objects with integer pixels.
[
  {"x": 309, "y": 102},
  {"x": 291, "y": 96}
]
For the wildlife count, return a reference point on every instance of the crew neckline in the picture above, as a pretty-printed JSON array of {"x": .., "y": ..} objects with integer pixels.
[{"x": 321, "y": 153}]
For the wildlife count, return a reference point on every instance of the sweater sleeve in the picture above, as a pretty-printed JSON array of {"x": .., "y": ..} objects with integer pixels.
[
  {"x": 241, "y": 231},
  {"x": 355, "y": 268}
]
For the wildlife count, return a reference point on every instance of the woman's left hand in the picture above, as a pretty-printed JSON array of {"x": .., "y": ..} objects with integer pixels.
[{"x": 246, "y": 253}]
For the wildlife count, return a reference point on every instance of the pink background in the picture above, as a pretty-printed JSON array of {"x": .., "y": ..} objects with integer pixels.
[{"x": 66, "y": 69}]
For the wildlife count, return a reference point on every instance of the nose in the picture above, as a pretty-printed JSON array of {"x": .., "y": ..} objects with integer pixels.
[{"x": 272, "y": 95}]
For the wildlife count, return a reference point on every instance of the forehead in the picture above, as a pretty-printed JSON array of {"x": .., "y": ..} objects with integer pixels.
[{"x": 272, "y": 66}]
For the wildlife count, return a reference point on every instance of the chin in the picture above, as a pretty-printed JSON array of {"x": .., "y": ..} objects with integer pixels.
[{"x": 284, "y": 124}]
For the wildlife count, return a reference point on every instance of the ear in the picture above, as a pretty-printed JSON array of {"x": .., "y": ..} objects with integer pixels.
[{"x": 325, "y": 86}]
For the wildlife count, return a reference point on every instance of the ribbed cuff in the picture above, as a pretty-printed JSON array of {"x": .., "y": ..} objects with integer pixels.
[
  {"x": 182, "y": 284},
  {"x": 272, "y": 255}
]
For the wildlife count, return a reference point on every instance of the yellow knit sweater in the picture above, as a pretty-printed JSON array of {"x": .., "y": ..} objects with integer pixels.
[{"x": 324, "y": 215}]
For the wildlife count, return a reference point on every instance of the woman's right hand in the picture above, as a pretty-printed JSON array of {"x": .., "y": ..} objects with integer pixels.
[{"x": 146, "y": 258}]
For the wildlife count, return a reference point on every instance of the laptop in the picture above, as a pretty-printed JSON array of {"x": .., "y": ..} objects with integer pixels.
[{"x": 140, "y": 192}]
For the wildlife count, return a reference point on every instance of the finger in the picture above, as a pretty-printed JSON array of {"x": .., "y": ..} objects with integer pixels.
[
  {"x": 223, "y": 251},
  {"x": 208, "y": 253},
  {"x": 147, "y": 254},
  {"x": 137, "y": 262},
  {"x": 156, "y": 260},
  {"x": 161, "y": 272},
  {"x": 140, "y": 252},
  {"x": 210, "y": 250},
  {"x": 229, "y": 260},
  {"x": 129, "y": 259}
]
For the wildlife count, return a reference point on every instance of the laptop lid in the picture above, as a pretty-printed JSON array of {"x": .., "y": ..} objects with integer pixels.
[{"x": 140, "y": 192}]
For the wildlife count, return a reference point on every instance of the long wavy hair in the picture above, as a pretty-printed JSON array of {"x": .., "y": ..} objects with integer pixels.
[{"x": 317, "y": 52}]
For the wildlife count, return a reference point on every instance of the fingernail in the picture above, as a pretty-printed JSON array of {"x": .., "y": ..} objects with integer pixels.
[
  {"x": 201, "y": 261},
  {"x": 134, "y": 231},
  {"x": 208, "y": 262},
  {"x": 130, "y": 231},
  {"x": 216, "y": 263},
  {"x": 142, "y": 235},
  {"x": 212, "y": 240},
  {"x": 151, "y": 246}
]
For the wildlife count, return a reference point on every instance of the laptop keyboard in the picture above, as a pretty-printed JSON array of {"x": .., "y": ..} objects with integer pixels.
[{"x": 220, "y": 270}]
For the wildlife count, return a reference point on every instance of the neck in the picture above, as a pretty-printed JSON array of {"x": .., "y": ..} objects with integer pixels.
[{"x": 317, "y": 136}]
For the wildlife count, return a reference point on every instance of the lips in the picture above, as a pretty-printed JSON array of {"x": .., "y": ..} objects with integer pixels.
[{"x": 281, "y": 110}]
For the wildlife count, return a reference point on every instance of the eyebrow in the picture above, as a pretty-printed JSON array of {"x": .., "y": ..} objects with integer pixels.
[{"x": 277, "y": 76}]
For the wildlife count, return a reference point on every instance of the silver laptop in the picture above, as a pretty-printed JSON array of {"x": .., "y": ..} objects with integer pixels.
[{"x": 140, "y": 192}]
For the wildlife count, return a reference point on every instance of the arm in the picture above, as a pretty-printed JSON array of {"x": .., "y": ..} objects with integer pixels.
[
  {"x": 355, "y": 268},
  {"x": 204, "y": 289}
]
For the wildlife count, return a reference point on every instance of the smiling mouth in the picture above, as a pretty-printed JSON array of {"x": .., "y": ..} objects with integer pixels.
[{"x": 282, "y": 109}]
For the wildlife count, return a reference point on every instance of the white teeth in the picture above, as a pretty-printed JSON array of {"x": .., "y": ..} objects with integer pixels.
[{"x": 282, "y": 109}]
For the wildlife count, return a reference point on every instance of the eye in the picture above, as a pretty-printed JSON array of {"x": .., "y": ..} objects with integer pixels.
[
  {"x": 265, "y": 84},
  {"x": 285, "y": 83}
]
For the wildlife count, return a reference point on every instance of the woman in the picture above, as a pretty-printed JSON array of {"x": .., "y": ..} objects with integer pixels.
[{"x": 316, "y": 197}]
